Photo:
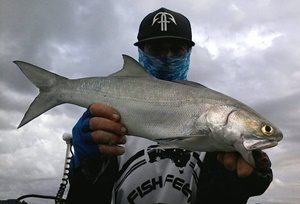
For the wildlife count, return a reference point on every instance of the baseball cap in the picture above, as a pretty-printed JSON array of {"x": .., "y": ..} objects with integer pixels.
[{"x": 164, "y": 23}]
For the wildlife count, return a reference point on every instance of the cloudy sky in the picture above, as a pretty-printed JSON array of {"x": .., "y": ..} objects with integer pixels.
[{"x": 249, "y": 50}]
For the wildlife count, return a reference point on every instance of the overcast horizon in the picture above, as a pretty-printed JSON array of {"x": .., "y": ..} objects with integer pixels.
[{"x": 249, "y": 50}]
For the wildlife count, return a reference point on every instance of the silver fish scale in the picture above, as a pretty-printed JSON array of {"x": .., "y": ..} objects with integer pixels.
[
  {"x": 184, "y": 114},
  {"x": 149, "y": 108}
]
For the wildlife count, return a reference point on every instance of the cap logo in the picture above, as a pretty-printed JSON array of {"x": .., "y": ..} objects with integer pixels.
[{"x": 163, "y": 18}]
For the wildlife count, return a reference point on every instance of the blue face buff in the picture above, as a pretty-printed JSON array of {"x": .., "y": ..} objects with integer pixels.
[{"x": 166, "y": 67}]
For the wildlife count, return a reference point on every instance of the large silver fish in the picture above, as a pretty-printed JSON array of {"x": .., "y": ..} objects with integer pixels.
[{"x": 181, "y": 114}]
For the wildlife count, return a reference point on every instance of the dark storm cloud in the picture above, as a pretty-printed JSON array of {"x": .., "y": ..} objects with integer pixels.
[
  {"x": 246, "y": 49},
  {"x": 56, "y": 35}
]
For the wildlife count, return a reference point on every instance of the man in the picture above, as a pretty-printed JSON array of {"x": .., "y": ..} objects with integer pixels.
[{"x": 108, "y": 166}]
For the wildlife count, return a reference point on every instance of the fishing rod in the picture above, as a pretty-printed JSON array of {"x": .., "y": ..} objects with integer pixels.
[{"x": 65, "y": 180}]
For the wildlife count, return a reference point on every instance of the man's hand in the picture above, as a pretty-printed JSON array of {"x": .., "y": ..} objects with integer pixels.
[
  {"x": 106, "y": 129},
  {"x": 99, "y": 130},
  {"x": 233, "y": 161}
]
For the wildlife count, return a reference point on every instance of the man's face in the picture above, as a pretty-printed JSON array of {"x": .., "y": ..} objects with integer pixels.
[{"x": 165, "y": 47}]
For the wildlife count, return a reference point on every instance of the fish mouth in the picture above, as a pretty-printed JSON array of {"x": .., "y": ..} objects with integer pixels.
[{"x": 254, "y": 143}]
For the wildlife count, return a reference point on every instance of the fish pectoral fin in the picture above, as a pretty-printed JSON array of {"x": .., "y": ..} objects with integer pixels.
[
  {"x": 192, "y": 143},
  {"x": 171, "y": 142},
  {"x": 170, "y": 139},
  {"x": 246, "y": 154}
]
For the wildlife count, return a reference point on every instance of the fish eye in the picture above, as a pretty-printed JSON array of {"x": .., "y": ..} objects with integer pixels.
[{"x": 267, "y": 130}]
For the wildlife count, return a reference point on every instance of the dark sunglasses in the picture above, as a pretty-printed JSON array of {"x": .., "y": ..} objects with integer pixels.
[{"x": 163, "y": 47}]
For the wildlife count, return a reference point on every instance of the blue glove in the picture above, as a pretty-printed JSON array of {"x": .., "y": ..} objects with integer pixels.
[{"x": 82, "y": 140}]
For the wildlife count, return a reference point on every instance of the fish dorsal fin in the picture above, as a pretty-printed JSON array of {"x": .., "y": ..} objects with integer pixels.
[{"x": 131, "y": 68}]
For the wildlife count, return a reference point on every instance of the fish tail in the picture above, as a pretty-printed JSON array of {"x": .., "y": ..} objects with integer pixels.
[{"x": 46, "y": 82}]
